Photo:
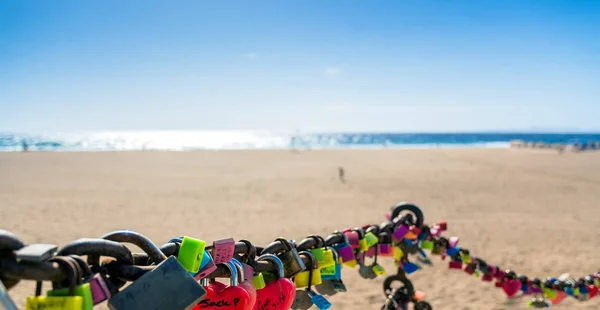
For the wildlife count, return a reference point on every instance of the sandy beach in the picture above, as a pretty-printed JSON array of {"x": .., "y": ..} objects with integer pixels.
[{"x": 531, "y": 211}]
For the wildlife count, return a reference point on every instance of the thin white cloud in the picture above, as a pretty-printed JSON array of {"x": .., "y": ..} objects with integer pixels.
[
  {"x": 332, "y": 71},
  {"x": 250, "y": 55}
]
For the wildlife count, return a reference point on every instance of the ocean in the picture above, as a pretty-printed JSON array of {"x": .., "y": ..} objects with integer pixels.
[{"x": 216, "y": 140}]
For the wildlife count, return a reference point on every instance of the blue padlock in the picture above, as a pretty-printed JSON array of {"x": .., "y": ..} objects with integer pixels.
[
  {"x": 319, "y": 300},
  {"x": 453, "y": 251},
  {"x": 410, "y": 267}
]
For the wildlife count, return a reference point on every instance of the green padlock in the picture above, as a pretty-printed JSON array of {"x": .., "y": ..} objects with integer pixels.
[
  {"x": 191, "y": 252},
  {"x": 371, "y": 239},
  {"x": 258, "y": 281},
  {"x": 318, "y": 254},
  {"x": 427, "y": 244}
]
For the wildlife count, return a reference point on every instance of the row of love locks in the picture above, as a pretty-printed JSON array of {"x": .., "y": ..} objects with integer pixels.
[{"x": 283, "y": 275}]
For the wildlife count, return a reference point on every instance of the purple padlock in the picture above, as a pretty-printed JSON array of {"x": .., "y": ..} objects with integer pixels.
[
  {"x": 100, "y": 291},
  {"x": 344, "y": 250},
  {"x": 400, "y": 232},
  {"x": 207, "y": 266},
  {"x": 384, "y": 249}
]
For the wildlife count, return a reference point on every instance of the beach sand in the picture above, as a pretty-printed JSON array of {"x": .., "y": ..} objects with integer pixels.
[{"x": 532, "y": 211}]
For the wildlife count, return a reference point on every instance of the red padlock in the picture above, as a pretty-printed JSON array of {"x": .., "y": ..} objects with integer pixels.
[
  {"x": 278, "y": 294},
  {"x": 222, "y": 297},
  {"x": 443, "y": 226}
]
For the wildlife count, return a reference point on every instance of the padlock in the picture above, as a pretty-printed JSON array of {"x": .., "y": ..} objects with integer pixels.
[
  {"x": 398, "y": 253},
  {"x": 36, "y": 253},
  {"x": 81, "y": 289},
  {"x": 5, "y": 301},
  {"x": 371, "y": 239},
  {"x": 427, "y": 244},
  {"x": 243, "y": 282},
  {"x": 400, "y": 232},
  {"x": 258, "y": 281},
  {"x": 453, "y": 242},
  {"x": 453, "y": 251},
  {"x": 344, "y": 249},
  {"x": 362, "y": 242},
  {"x": 310, "y": 277},
  {"x": 318, "y": 300},
  {"x": 455, "y": 264},
  {"x": 409, "y": 267},
  {"x": 221, "y": 296},
  {"x": 318, "y": 254},
  {"x": 98, "y": 285},
  {"x": 328, "y": 258},
  {"x": 332, "y": 272},
  {"x": 191, "y": 253},
  {"x": 207, "y": 266},
  {"x": 292, "y": 263},
  {"x": 223, "y": 250},
  {"x": 279, "y": 294},
  {"x": 168, "y": 286},
  {"x": 385, "y": 249},
  {"x": 353, "y": 239},
  {"x": 70, "y": 302}
]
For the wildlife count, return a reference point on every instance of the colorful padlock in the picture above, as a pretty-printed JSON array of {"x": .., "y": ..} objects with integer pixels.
[
  {"x": 310, "y": 277},
  {"x": 70, "y": 302},
  {"x": 191, "y": 253}
]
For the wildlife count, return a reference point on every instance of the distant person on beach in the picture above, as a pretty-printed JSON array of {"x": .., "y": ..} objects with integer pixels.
[
  {"x": 342, "y": 174},
  {"x": 24, "y": 145}
]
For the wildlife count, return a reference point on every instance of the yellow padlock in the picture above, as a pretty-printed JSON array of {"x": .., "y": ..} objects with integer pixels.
[
  {"x": 54, "y": 303},
  {"x": 398, "y": 254},
  {"x": 466, "y": 258},
  {"x": 351, "y": 264},
  {"x": 328, "y": 259},
  {"x": 363, "y": 245},
  {"x": 378, "y": 270},
  {"x": 301, "y": 279},
  {"x": 371, "y": 239}
]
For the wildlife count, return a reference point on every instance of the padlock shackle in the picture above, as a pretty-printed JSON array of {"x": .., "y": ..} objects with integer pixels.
[
  {"x": 233, "y": 273},
  {"x": 417, "y": 220},
  {"x": 240, "y": 270},
  {"x": 276, "y": 261}
]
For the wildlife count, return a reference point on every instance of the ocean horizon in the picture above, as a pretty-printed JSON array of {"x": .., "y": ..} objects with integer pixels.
[{"x": 222, "y": 140}]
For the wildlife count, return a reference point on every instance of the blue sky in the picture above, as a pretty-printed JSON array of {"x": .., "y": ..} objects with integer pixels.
[{"x": 306, "y": 65}]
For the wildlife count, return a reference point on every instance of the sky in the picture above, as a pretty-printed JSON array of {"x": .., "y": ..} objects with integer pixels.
[{"x": 310, "y": 65}]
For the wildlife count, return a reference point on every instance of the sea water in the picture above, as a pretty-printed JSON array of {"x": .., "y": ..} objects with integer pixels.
[{"x": 215, "y": 140}]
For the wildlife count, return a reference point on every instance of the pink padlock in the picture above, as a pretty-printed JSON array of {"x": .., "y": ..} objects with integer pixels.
[
  {"x": 385, "y": 249},
  {"x": 100, "y": 291},
  {"x": 453, "y": 242},
  {"x": 353, "y": 238},
  {"x": 223, "y": 250},
  {"x": 400, "y": 232}
]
